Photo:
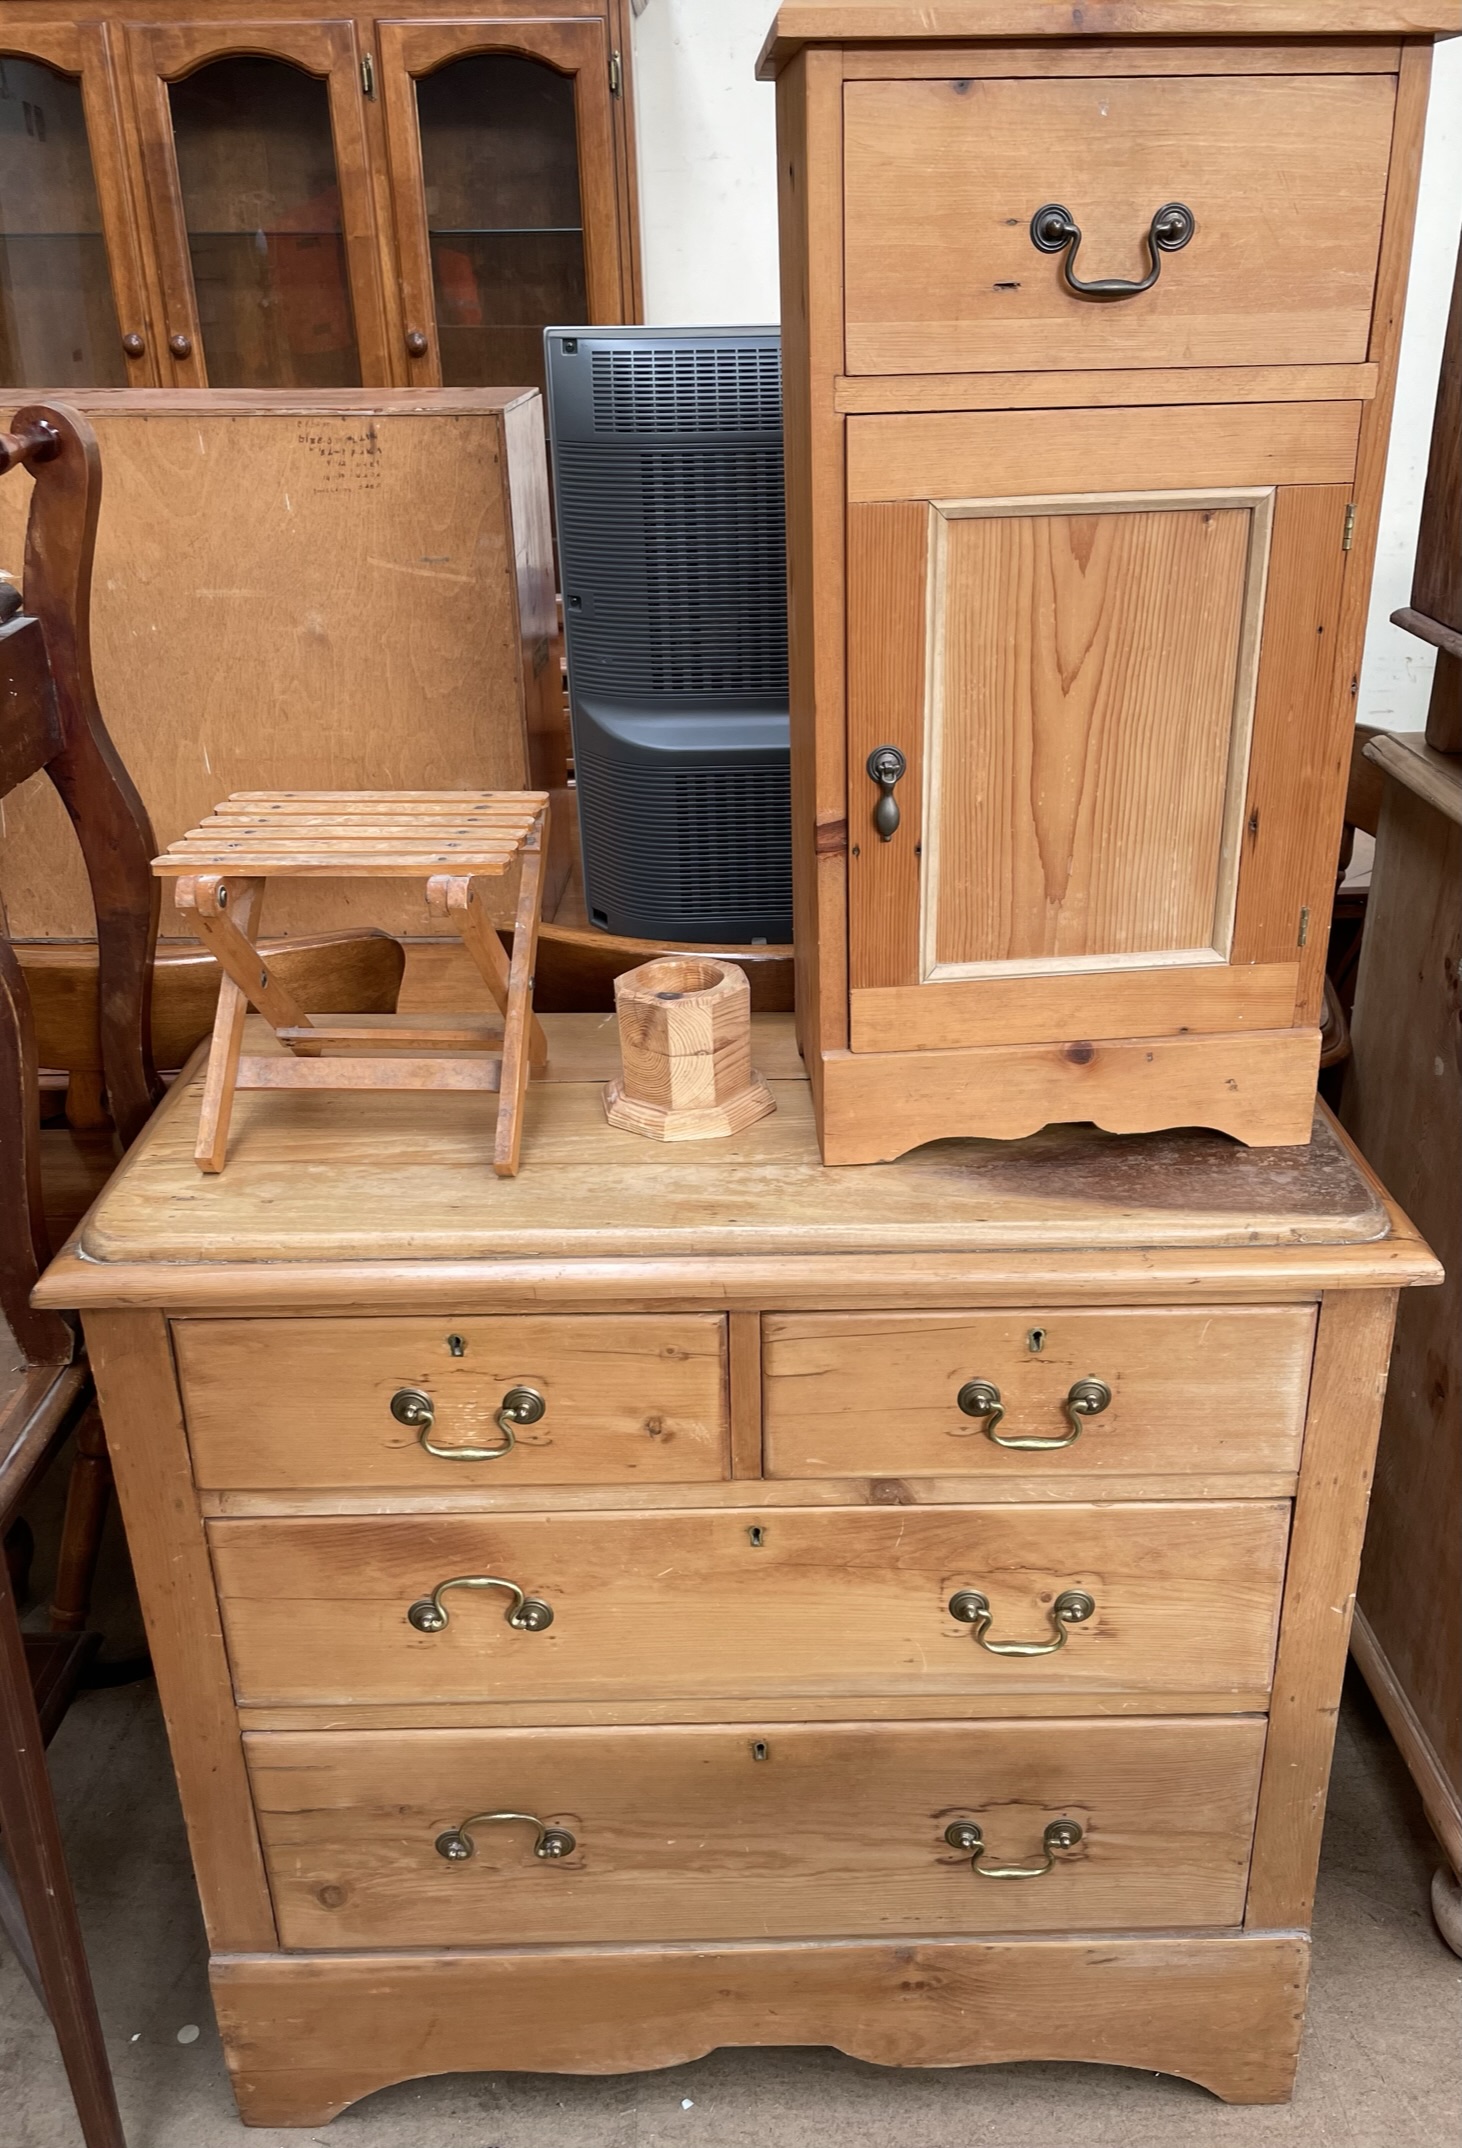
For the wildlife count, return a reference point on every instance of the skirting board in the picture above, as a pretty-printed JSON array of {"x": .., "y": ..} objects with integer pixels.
[
  {"x": 1438, "y": 1795},
  {"x": 1257, "y": 1085},
  {"x": 306, "y": 2035}
]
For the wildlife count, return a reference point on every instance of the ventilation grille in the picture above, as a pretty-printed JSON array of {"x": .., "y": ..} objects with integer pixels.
[
  {"x": 678, "y": 561},
  {"x": 706, "y": 388},
  {"x": 674, "y": 850}
]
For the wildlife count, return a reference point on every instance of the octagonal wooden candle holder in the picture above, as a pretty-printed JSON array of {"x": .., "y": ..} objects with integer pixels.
[{"x": 685, "y": 1051}]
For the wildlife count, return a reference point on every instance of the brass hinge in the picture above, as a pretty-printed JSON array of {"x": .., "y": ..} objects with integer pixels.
[
  {"x": 1348, "y": 539},
  {"x": 1304, "y": 926},
  {"x": 367, "y": 75},
  {"x": 616, "y": 75}
]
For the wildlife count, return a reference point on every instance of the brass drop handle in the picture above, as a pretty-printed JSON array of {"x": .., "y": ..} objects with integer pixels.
[
  {"x": 519, "y": 1406},
  {"x": 1054, "y": 228},
  {"x": 966, "y": 1835},
  {"x": 457, "y": 1844},
  {"x": 972, "y": 1608},
  {"x": 530, "y": 1614},
  {"x": 886, "y": 766},
  {"x": 1085, "y": 1398}
]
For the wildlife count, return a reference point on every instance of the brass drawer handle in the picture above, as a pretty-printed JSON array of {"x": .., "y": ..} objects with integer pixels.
[
  {"x": 530, "y": 1614},
  {"x": 519, "y": 1406},
  {"x": 966, "y": 1835},
  {"x": 1085, "y": 1398},
  {"x": 457, "y": 1844},
  {"x": 1054, "y": 228},
  {"x": 972, "y": 1608}
]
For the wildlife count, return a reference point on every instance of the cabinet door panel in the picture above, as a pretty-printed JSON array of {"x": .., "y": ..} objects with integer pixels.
[
  {"x": 501, "y": 149},
  {"x": 257, "y": 171},
  {"x": 1089, "y": 690},
  {"x": 1097, "y": 696},
  {"x": 71, "y": 286}
]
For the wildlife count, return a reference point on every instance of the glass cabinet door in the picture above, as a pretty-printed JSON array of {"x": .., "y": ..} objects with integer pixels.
[
  {"x": 501, "y": 149},
  {"x": 257, "y": 168},
  {"x": 71, "y": 313}
]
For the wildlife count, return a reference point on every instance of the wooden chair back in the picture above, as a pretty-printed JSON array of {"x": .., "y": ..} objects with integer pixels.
[{"x": 49, "y": 720}]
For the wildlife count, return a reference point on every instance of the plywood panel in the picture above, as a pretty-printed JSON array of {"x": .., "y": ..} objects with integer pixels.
[
  {"x": 944, "y": 177},
  {"x": 293, "y": 594},
  {"x": 1085, "y": 696},
  {"x": 685, "y": 1834}
]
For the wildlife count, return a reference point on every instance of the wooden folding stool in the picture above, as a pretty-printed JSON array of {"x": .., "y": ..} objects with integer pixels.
[{"x": 456, "y": 841}]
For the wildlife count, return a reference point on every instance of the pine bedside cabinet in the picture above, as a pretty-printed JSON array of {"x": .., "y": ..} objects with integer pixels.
[
  {"x": 687, "y": 1596},
  {"x": 1090, "y": 317}
]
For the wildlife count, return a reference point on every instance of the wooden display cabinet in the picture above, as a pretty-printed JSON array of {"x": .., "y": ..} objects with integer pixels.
[
  {"x": 275, "y": 197},
  {"x": 1089, "y": 351}
]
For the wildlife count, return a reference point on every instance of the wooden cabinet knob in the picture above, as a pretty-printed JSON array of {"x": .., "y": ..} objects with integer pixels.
[
  {"x": 181, "y": 346},
  {"x": 133, "y": 344},
  {"x": 415, "y": 343}
]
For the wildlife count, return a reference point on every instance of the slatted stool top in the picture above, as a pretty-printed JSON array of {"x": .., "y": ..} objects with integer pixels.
[{"x": 293, "y": 835}]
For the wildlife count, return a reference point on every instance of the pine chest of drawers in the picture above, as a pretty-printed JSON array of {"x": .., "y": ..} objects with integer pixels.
[
  {"x": 1090, "y": 318},
  {"x": 688, "y": 1596}
]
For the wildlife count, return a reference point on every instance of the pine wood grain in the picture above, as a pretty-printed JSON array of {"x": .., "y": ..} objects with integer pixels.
[
  {"x": 825, "y": 1603},
  {"x": 979, "y": 454},
  {"x": 1257, "y": 1085},
  {"x": 709, "y": 1834},
  {"x": 1352, "y": 1350},
  {"x": 1085, "y": 698},
  {"x": 149, "y": 1452},
  {"x": 1412, "y": 93},
  {"x": 799, "y": 23},
  {"x": 860, "y": 395},
  {"x": 888, "y": 635},
  {"x": 292, "y": 1404},
  {"x": 1303, "y": 718},
  {"x": 305, "y": 2036},
  {"x": 942, "y": 179},
  {"x": 1055, "y": 1008},
  {"x": 1215, "y": 1389},
  {"x": 810, "y": 218},
  {"x": 398, "y": 1177}
]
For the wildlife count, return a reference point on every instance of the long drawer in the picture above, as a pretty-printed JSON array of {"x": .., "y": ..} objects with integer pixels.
[
  {"x": 1169, "y": 1599},
  {"x": 779, "y": 1832},
  {"x": 412, "y": 1402},
  {"x": 1207, "y": 1391}
]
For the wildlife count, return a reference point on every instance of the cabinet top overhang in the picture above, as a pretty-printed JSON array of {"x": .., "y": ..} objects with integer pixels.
[{"x": 926, "y": 22}]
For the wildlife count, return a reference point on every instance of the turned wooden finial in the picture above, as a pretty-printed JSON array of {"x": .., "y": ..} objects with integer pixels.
[{"x": 685, "y": 1051}]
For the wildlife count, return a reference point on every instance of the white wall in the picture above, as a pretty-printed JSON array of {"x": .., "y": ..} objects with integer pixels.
[{"x": 708, "y": 220}]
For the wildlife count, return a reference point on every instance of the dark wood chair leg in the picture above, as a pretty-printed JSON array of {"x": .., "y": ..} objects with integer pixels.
[
  {"x": 87, "y": 1493},
  {"x": 32, "y": 1844}
]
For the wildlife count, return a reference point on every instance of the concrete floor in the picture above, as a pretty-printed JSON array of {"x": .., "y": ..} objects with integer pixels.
[{"x": 1382, "y": 2064}]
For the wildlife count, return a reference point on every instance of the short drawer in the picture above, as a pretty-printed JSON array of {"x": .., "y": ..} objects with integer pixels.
[
  {"x": 746, "y": 1833},
  {"x": 1179, "y": 1599},
  {"x": 439, "y": 1403},
  {"x": 943, "y": 179},
  {"x": 1213, "y": 1392}
]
